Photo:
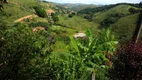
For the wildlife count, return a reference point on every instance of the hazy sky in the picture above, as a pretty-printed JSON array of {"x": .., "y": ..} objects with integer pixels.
[{"x": 95, "y": 1}]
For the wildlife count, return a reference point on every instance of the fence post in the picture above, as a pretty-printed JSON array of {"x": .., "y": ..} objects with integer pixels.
[
  {"x": 138, "y": 27},
  {"x": 93, "y": 75}
]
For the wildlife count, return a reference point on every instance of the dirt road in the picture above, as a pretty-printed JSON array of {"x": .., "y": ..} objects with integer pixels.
[{"x": 26, "y": 17}]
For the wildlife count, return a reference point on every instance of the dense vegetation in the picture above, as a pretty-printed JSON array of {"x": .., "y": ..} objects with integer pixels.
[
  {"x": 127, "y": 63},
  {"x": 105, "y": 7},
  {"x": 37, "y": 41},
  {"x": 121, "y": 18},
  {"x": 40, "y": 11}
]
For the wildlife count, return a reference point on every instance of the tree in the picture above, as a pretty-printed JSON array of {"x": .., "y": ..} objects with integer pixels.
[
  {"x": 106, "y": 22},
  {"x": 133, "y": 10},
  {"x": 40, "y": 11},
  {"x": 55, "y": 17}
]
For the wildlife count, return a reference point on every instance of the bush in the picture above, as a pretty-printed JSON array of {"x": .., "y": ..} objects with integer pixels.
[
  {"x": 40, "y": 12},
  {"x": 127, "y": 63},
  {"x": 55, "y": 17},
  {"x": 110, "y": 20},
  {"x": 22, "y": 53},
  {"x": 70, "y": 15},
  {"x": 133, "y": 10},
  {"x": 73, "y": 13},
  {"x": 43, "y": 24}
]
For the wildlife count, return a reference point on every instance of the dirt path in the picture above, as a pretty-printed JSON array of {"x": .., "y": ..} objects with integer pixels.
[
  {"x": 26, "y": 17},
  {"x": 49, "y": 11}
]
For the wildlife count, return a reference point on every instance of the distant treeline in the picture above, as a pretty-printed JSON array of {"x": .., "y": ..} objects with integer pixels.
[{"x": 105, "y": 7}]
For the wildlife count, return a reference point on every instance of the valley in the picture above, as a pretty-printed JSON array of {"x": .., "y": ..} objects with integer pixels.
[{"x": 42, "y": 40}]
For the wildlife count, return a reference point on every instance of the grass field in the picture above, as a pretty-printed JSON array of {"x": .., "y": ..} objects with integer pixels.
[{"x": 76, "y": 22}]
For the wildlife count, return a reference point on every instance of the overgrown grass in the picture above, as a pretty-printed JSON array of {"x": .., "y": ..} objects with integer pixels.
[
  {"x": 12, "y": 12},
  {"x": 121, "y": 9},
  {"x": 125, "y": 27},
  {"x": 76, "y": 22}
]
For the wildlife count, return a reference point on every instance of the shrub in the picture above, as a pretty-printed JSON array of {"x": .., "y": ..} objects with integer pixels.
[
  {"x": 127, "y": 63},
  {"x": 108, "y": 21},
  {"x": 55, "y": 17},
  {"x": 40, "y": 12},
  {"x": 22, "y": 53},
  {"x": 70, "y": 15},
  {"x": 43, "y": 24},
  {"x": 73, "y": 13},
  {"x": 133, "y": 10}
]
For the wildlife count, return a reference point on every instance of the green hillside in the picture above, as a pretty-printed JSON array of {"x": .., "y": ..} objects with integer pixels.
[
  {"x": 120, "y": 17},
  {"x": 121, "y": 9},
  {"x": 125, "y": 27},
  {"x": 81, "y": 7},
  {"x": 41, "y": 40},
  {"x": 13, "y": 10},
  {"x": 76, "y": 22},
  {"x": 78, "y": 6}
]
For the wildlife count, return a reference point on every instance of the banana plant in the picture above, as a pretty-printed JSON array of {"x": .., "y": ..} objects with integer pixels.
[
  {"x": 107, "y": 44},
  {"x": 93, "y": 49},
  {"x": 107, "y": 41}
]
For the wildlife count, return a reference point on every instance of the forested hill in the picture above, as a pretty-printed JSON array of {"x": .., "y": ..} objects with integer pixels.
[
  {"x": 105, "y": 7},
  {"x": 114, "y": 16},
  {"x": 78, "y": 7}
]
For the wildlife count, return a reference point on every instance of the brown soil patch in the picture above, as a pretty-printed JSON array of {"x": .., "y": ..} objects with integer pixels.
[
  {"x": 49, "y": 11},
  {"x": 35, "y": 29},
  {"x": 26, "y": 17}
]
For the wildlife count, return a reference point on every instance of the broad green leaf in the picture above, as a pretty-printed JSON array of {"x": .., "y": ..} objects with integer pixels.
[{"x": 74, "y": 44}]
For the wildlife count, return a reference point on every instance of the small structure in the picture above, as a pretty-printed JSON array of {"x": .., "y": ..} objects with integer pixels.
[
  {"x": 38, "y": 28},
  {"x": 50, "y": 11},
  {"x": 79, "y": 35}
]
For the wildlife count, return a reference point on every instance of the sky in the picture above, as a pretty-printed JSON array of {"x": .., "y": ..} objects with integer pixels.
[{"x": 95, "y": 1}]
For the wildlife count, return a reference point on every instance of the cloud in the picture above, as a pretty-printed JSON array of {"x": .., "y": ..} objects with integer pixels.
[{"x": 95, "y": 1}]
